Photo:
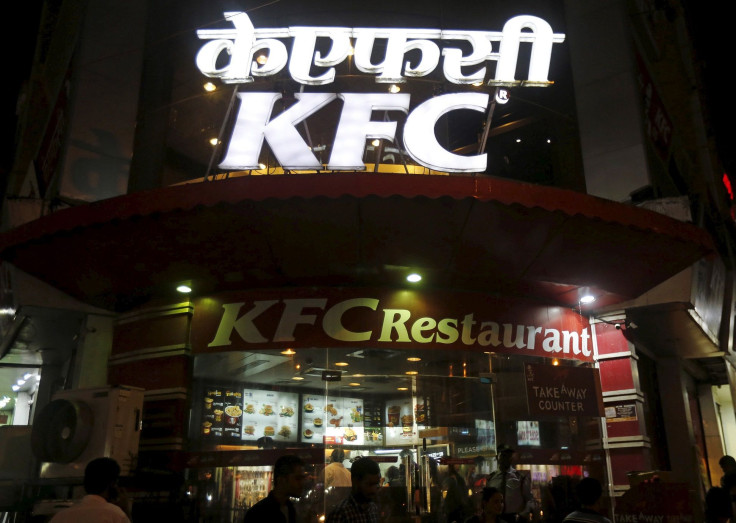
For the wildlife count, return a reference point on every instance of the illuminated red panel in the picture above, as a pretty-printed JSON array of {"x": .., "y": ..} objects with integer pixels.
[
  {"x": 610, "y": 339},
  {"x": 616, "y": 375}
]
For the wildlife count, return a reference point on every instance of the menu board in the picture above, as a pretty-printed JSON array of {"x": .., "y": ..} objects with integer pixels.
[
  {"x": 222, "y": 414},
  {"x": 404, "y": 418},
  {"x": 336, "y": 421},
  {"x": 270, "y": 413},
  {"x": 373, "y": 423}
]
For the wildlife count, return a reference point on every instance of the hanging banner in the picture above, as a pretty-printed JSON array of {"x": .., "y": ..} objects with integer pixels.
[{"x": 563, "y": 391}]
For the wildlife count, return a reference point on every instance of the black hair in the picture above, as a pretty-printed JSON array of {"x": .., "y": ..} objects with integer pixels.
[
  {"x": 100, "y": 474},
  {"x": 489, "y": 492},
  {"x": 727, "y": 460},
  {"x": 338, "y": 455},
  {"x": 362, "y": 467},
  {"x": 285, "y": 465},
  {"x": 589, "y": 490}
]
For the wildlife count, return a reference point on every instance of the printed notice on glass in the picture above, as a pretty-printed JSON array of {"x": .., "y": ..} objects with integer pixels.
[
  {"x": 403, "y": 417},
  {"x": 619, "y": 413}
]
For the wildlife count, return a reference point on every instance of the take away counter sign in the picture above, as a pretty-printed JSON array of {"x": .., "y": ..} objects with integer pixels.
[
  {"x": 554, "y": 391},
  {"x": 314, "y": 317}
]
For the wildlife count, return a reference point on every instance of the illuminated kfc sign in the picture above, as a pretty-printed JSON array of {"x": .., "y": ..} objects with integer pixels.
[{"x": 241, "y": 44}]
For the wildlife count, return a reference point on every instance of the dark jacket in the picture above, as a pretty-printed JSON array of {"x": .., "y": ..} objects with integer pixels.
[{"x": 268, "y": 509}]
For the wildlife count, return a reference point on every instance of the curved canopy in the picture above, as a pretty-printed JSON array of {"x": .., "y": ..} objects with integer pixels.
[{"x": 353, "y": 229}]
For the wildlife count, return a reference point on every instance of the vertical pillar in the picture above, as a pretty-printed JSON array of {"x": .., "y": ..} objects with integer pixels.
[
  {"x": 711, "y": 431},
  {"x": 151, "y": 350},
  {"x": 625, "y": 438}
]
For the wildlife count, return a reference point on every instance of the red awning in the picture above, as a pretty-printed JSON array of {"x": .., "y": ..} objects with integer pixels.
[{"x": 349, "y": 229}]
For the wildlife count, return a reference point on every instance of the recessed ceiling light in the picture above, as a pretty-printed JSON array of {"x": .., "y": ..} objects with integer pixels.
[
  {"x": 262, "y": 59},
  {"x": 394, "y": 88},
  {"x": 288, "y": 352},
  {"x": 184, "y": 289},
  {"x": 376, "y": 142},
  {"x": 214, "y": 141},
  {"x": 555, "y": 362},
  {"x": 15, "y": 388},
  {"x": 518, "y": 140},
  {"x": 402, "y": 388},
  {"x": 341, "y": 364},
  {"x": 354, "y": 384},
  {"x": 588, "y": 298},
  {"x": 411, "y": 372},
  {"x": 477, "y": 84},
  {"x": 298, "y": 378},
  {"x": 358, "y": 375},
  {"x": 261, "y": 166},
  {"x": 414, "y": 277},
  {"x": 413, "y": 358},
  {"x": 209, "y": 87}
]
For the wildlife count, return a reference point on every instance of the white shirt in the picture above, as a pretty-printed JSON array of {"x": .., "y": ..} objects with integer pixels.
[{"x": 91, "y": 509}]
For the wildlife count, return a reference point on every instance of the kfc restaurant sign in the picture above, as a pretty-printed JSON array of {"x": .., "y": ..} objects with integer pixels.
[
  {"x": 239, "y": 46},
  {"x": 302, "y": 318}
]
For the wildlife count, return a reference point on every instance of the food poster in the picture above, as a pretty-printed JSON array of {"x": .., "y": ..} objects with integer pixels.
[
  {"x": 404, "y": 418},
  {"x": 332, "y": 420},
  {"x": 271, "y": 414},
  {"x": 222, "y": 413}
]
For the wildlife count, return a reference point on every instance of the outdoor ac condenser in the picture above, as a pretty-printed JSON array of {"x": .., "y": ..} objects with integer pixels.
[{"x": 80, "y": 425}]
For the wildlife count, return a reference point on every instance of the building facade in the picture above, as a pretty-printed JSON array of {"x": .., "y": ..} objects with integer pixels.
[{"x": 391, "y": 224}]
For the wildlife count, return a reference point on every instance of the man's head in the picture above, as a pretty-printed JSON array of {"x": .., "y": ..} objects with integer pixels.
[
  {"x": 589, "y": 491},
  {"x": 504, "y": 454},
  {"x": 337, "y": 456},
  {"x": 728, "y": 464},
  {"x": 288, "y": 475},
  {"x": 366, "y": 478},
  {"x": 101, "y": 477}
]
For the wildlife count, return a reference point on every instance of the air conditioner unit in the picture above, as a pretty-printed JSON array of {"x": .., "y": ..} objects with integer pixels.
[{"x": 80, "y": 425}]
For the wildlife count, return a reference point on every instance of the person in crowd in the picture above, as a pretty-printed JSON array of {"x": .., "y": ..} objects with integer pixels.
[
  {"x": 393, "y": 477},
  {"x": 589, "y": 492},
  {"x": 514, "y": 485},
  {"x": 456, "y": 502},
  {"x": 729, "y": 485},
  {"x": 728, "y": 466},
  {"x": 100, "y": 504},
  {"x": 336, "y": 475},
  {"x": 717, "y": 505},
  {"x": 360, "y": 506},
  {"x": 288, "y": 482},
  {"x": 491, "y": 505}
]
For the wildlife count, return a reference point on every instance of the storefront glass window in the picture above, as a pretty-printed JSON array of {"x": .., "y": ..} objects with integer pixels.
[{"x": 427, "y": 417}]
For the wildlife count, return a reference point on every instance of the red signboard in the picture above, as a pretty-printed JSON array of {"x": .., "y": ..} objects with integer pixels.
[
  {"x": 330, "y": 317},
  {"x": 563, "y": 391}
]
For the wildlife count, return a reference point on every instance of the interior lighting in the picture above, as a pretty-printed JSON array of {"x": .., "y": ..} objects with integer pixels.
[
  {"x": 6, "y": 311},
  {"x": 411, "y": 372},
  {"x": 477, "y": 84},
  {"x": 262, "y": 59},
  {"x": 298, "y": 378},
  {"x": 209, "y": 87},
  {"x": 402, "y": 388},
  {"x": 588, "y": 298},
  {"x": 214, "y": 141},
  {"x": 414, "y": 278},
  {"x": 261, "y": 166},
  {"x": 394, "y": 88},
  {"x": 413, "y": 358},
  {"x": 288, "y": 352},
  {"x": 358, "y": 375},
  {"x": 354, "y": 384},
  {"x": 555, "y": 362},
  {"x": 27, "y": 375},
  {"x": 549, "y": 141},
  {"x": 341, "y": 364},
  {"x": 376, "y": 142},
  {"x": 21, "y": 382},
  {"x": 15, "y": 388},
  {"x": 518, "y": 140},
  {"x": 184, "y": 289},
  {"x": 351, "y": 51}
]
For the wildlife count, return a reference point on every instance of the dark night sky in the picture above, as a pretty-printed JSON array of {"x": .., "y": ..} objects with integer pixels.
[{"x": 709, "y": 30}]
